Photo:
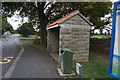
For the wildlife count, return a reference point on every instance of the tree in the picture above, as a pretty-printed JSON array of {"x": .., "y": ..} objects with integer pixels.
[
  {"x": 45, "y": 13},
  {"x": 31, "y": 10},
  {"x": 26, "y": 29},
  {"x": 6, "y": 26}
]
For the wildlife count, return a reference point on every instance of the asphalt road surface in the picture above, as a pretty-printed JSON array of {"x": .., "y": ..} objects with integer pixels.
[
  {"x": 34, "y": 63},
  {"x": 9, "y": 52}
]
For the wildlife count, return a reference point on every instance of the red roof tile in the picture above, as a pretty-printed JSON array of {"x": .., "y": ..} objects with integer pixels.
[
  {"x": 62, "y": 19},
  {"x": 66, "y": 17}
]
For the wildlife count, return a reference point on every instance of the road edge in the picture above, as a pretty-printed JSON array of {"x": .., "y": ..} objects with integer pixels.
[{"x": 11, "y": 69}]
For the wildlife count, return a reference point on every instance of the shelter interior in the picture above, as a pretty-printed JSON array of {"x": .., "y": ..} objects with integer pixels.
[{"x": 54, "y": 40}]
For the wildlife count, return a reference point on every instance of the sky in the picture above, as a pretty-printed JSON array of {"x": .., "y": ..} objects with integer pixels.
[{"x": 15, "y": 20}]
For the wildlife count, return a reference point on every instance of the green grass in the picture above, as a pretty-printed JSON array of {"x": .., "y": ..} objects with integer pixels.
[
  {"x": 26, "y": 42},
  {"x": 97, "y": 67},
  {"x": 6, "y": 35},
  {"x": 100, "y": 36},
  {"x": 31, "y": 37},
  {"x": 38, "y": 46}
]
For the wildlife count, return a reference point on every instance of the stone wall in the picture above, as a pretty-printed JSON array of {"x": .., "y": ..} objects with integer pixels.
[
  {"x": 76, "y": 20},
  {"x": 75, "y": 38},
  {"x": 74, "y": 34},
  {"x": 102, "y": 45}
]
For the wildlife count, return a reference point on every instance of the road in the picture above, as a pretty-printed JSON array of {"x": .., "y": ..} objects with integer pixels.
[
  {"x": 9, "y": 52},
  {"x": 34, "y": 63}
]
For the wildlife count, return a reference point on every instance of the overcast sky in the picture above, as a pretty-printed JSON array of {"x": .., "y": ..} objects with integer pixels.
[{"x": 15, "y": 20}]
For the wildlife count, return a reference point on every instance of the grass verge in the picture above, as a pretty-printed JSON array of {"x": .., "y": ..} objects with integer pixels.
[
  {"x": 31, "y": 37},
  {"x": 97, "y": 67},
  {"x": 6, "y": 35},
  {"x": 40, "y": 47}
]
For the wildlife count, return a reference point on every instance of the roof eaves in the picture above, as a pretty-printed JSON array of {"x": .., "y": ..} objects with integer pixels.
[
  {"x": 86, "y": 19},
  {"x": 54, "y": 26}
]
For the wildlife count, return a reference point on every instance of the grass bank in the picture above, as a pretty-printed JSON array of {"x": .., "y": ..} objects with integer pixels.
[
  {"x": 40, "y": 47},
  {"x": 6, "y": 35},
  {"x": 97, "y": 67}
]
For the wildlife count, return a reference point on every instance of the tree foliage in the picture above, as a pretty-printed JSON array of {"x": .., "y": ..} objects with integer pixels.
[
  {"x": 92, "y": 10},
  {"x": 26, "y": 29},
  {"x": 45, "y": 13},
  {"x": 6, "y": 26}
]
